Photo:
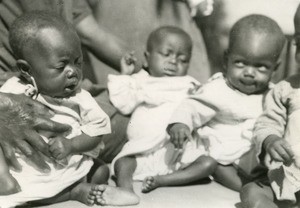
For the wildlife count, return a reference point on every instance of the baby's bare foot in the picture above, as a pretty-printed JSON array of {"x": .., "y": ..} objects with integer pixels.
[
  {"x": 150, "y": 183},
  {"x": 115, "y": 196},
  {"x": 85, "y": 193},
  {"x": 8, "y": 184}
]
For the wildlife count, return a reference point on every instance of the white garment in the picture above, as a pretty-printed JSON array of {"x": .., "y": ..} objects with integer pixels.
[
  {"x": 224, "y": 116},
  {"x": 151, "y": 100},
  {"x": 83, "y": 114}
]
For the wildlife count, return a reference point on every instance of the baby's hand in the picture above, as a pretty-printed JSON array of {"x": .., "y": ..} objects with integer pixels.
[
  {"x": 279, "y": 149},
  {"x": 128, "y": 63},
  {"x": 179, "y": 133},
  {"x": 60, "y": 147},
  {"x": 201, "y": 8}
]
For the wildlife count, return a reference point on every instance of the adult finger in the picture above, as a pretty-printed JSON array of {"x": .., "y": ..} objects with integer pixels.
[
  {"x": 51, "y": 126},
  {"x": 36, "y": 141},
  {"x": 10, "y": 156},
  {"x": 38, "y": 161},
  {"x": 33, "y": 157}
]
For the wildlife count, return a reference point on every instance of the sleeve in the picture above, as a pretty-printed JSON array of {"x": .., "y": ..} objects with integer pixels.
[
  {"x": 94, "y": 120},
  {"x": 124, "y": 93},
  {"x": 195, "y": 111},
  {"x": 273, "y": 119}
]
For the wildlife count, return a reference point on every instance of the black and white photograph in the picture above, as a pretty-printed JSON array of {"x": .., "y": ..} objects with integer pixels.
[{"x": 150, "y": 103}]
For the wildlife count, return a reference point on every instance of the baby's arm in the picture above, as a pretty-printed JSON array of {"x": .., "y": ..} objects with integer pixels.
[
  {"x": 128, "y": 62},
  {"x": 61, "y": 147},
  {"x": 191, "y": 114},
  {"x": 270, "y": 126}
]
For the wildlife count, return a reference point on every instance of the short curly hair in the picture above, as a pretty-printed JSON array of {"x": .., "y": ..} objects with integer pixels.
[
  {"x": 156, "y": 35},
  {"x": 23, "y": 30}
]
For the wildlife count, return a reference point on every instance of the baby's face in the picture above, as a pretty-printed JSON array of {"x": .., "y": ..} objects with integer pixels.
[
  {"x": 169, "y": 58},
  {"x": 251, "y": 62},
  {"x": 55, "y": 62}
]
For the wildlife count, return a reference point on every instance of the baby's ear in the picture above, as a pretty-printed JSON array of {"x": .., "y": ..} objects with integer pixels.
[
  {"x": 277, "y": 65},
  {"x": 145, "y": 65},
  {"x": 225, "y": 60},
  {"x": 24, "y": 67},
  {"x": 146, "y": 54}
]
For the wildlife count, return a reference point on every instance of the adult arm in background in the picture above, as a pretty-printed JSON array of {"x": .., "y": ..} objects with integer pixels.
[
  {"x": 104, "y": 45},
  {"x": 20, "y": 120}
]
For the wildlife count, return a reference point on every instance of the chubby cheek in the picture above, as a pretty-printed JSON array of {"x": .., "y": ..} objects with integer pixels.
[
  {"x": 264, "y": 81},
  {"x": 51, "y": 86},
  {"x": 182, "y": 70}
]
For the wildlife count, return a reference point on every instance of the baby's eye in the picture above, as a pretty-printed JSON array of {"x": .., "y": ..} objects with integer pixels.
[
  {"x": 262, "y": 68},
  {"x": 165, "y": 53},
  {"x": 60, "y": 68},
  {"x": 239, "y": 64},
  {"x": 183, "y": 59},
  {"x": 78, "y": 62}
]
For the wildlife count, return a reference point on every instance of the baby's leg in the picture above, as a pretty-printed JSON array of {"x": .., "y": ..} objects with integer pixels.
[
  {"x": 228, "y": 176},
  {"x": 99, "y": 173},
  {"x": 8, "y": 184},
  {"x": 201, "y": 168},
  {"x": 297, "y": 205},
  {"x": 124, "y": 169},
  {"x": 255, "y": 195}
]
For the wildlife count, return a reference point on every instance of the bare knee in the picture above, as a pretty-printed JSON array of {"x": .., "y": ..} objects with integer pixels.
[
  {"x": 253, "y": 196},
  {"x": 207, "y": 163},
  {"x": 125, "y": 163}
]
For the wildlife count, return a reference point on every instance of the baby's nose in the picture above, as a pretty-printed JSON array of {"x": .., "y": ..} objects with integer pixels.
[
  {"x": 70, "y": 72},
  {"x": 250, "y": 71},
  {"x": 173, "y": 59}
]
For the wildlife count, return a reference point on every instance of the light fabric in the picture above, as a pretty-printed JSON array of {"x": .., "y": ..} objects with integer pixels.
[
  {"x": 281, "y": 118},
  {"x": 151, "y": 100},
  {"x": 223, "y": 116},
  {"x": 83, "y": 114}
]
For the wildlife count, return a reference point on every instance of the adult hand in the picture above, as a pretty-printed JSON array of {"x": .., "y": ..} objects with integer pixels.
[
  {"x": 20, "y": 119},
  {"x": 179, "y": 133},
  {"x": 279, "y": 149}
]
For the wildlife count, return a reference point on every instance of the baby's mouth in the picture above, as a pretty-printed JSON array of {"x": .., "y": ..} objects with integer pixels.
[
  {"x": 248, "y": 82},
  {"x": 73, "y": 85},
  {"x": 169, "y": 71}
]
